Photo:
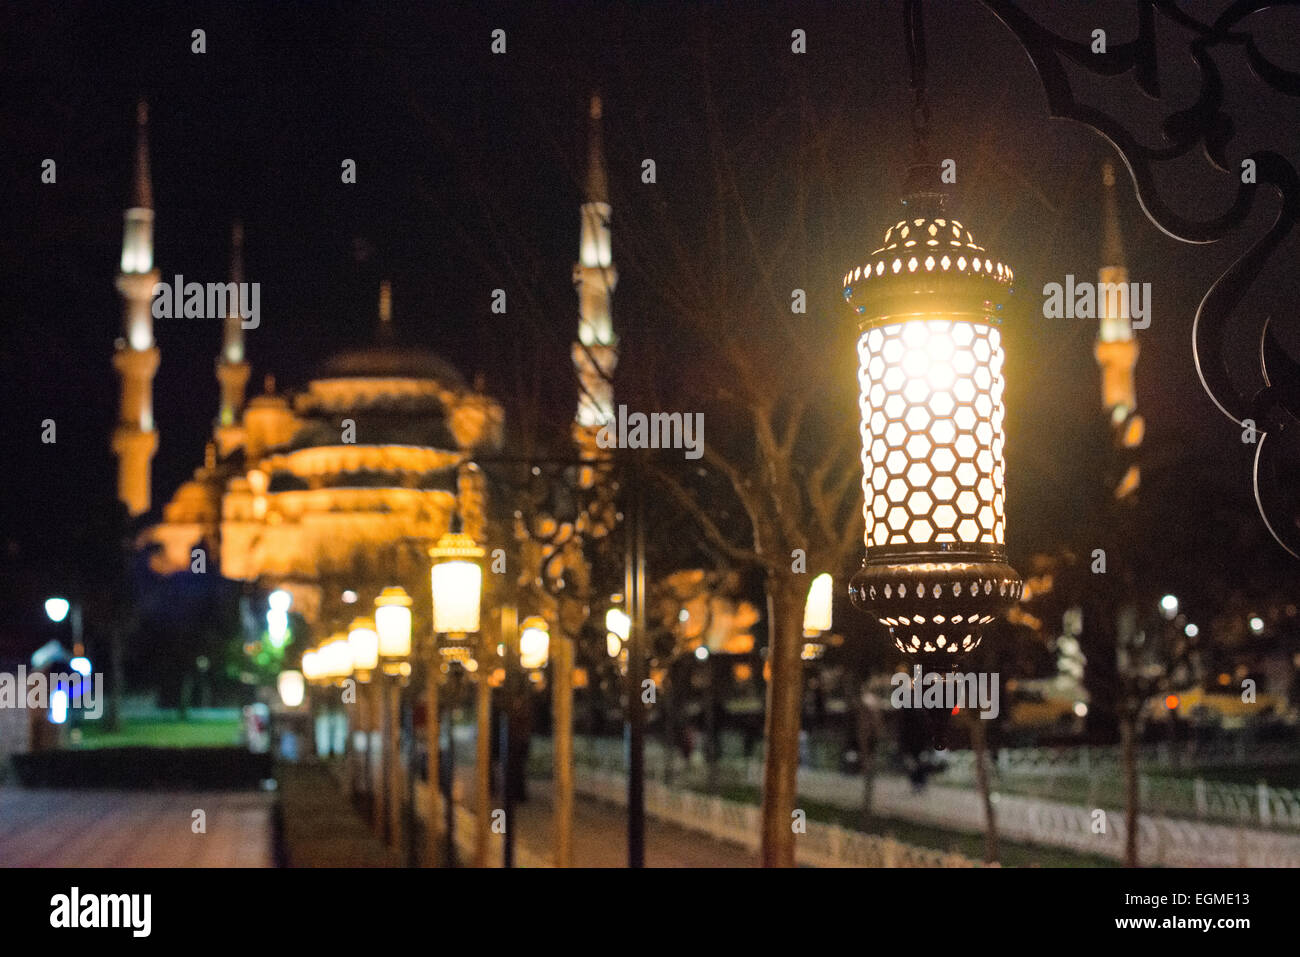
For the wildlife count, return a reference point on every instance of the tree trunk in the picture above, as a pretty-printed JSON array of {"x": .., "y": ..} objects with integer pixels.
[
  {"x": 1128, "y": 746},
  {"x": 980, "y": 744},
  {"x": 785, "y": 600}
]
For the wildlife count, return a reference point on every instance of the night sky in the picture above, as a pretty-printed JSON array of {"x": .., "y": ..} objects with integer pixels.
[{"x": 469, "y": 172}]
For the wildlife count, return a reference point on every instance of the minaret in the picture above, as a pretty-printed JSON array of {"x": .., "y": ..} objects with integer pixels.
[
  {"x": 386, "y": 313},
  {"x": 1116, "y": 349},
  {"x": 232, "y": 369},
  {"x": 595, "y": 354},
  {"x": 136, "y": 359}
]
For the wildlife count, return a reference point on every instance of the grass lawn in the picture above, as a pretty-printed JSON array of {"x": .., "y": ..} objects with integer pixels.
[
  {"x": 1010, "y": 853},
  {"x": 161, "y": 733},
  {"x": 1277, "y": 775}
]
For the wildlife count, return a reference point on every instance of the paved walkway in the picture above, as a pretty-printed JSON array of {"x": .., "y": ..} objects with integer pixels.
[{"x": 53, "y": 828}]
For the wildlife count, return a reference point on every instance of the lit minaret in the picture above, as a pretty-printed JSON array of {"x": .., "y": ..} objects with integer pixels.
[
  {"x": 1116, "y": 349},
  {"x": 232, "y": 369},
  {"x": 136, "y": 359},
  {"x": 386, "y": 313},
  {"x": 595, "y": 354}
]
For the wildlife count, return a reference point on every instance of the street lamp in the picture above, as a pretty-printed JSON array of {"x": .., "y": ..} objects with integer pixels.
[
  {"x": 1169, "y": 606},
  {"x": 363, "y": 642},
  {"x": 930, "y": 304},
  {"x": 292, "y": 687},
  {"x": 456, "y": 586},
  {"x": 277, "y": 616},
  {"x": 617, "y": 627},
  {"x": 57, "y": 609},
  {"x": 534, "y": 643},
  {"x": 336, "y": 658},
  {"x": 392, "y": 624},
  {"x": 312, "y": 667},
  {"x": 817, "y": 609},
  {"x": 457, "y": 583}
]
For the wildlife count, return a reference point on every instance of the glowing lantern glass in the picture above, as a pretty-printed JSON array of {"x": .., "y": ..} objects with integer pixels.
[
  {"x": 929, "y": 304},
  {"x": 393, "y": 623},
  {"x": 457, "y": 581},
  {"x": 363, "y": 642},
  {"x": 534, "y": 643}
]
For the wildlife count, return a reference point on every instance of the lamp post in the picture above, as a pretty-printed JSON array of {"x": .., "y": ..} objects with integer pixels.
[
  {"x": 930, "y": 303},
  {"x": 456, "y": 584},
  {"x": 58, "y": 608},
  {"x": 312, "y": 674},
  {"x": 527, "y": 647},
  {"x": 393, "y": 626},
  {"x": 335, "y": 665},
  {"x": 510, "y": 645},
  {"x": 363, "y": 642},
  {"x": 635, "y": 595},
  {"x": 483, "y": 748},
  {"x": 534, "y": 643}
]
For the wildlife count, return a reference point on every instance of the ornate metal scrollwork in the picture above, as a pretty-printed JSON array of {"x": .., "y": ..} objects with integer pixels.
[{"x": 1272, "y": 410}]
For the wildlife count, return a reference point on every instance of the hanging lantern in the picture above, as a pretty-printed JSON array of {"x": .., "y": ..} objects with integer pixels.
[{"x": 929, "y": 304}]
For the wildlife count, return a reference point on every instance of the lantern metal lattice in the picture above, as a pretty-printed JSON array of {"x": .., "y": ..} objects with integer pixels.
[{"x": 930, "y": 303}]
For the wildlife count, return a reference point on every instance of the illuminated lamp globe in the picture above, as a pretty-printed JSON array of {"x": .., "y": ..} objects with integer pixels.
[
  {"x": 929, "y": 305},
  {"x": 534, "y": 643},
  {"x": 292, "y": 688},
  {"x": 363, "y": 643},
  {"x": 393, "y": 623},
  {"x": 57, "y": 609},
  {"x": 817, "y": 609},
  {"x": 311, "y": 666},
  {"x": 617, "y": 627},
  {"x": 457, "y": 583},
  {"x": 336, "y": 658}
]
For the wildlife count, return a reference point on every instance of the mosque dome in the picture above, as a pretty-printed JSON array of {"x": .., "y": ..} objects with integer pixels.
[{"x": 391, "y": 362}]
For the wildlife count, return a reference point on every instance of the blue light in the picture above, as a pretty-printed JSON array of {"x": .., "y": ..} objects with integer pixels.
[{"x": 58, "y": 706}]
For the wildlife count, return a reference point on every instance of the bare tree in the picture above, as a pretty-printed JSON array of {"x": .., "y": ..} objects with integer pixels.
[{"x": 774, "y": 382}]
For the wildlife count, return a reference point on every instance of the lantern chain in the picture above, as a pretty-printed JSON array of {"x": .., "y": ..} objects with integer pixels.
[{"x": 914, "y": 31}]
